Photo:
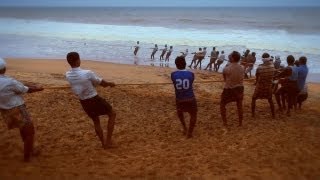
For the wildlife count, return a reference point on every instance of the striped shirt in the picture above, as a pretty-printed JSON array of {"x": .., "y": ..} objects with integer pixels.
[{"x": 265, "y": 73}]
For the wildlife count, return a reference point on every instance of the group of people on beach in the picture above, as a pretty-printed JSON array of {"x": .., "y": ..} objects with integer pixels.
[
  {"x": 215, "y": 59},
  {"x": 291, "y": 78}
]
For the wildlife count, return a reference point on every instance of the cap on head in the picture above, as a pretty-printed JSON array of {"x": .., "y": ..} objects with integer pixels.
[
  {"x": 2, "y": 64},
  {"x": 265, "y": 57}
]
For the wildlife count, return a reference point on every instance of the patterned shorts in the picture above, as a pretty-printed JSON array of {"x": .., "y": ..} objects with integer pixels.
[
  {"x": 263, "y": 92},
  {"x": 16, "y": 117}
]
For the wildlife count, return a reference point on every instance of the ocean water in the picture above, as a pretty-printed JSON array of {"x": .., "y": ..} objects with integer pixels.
[{"x": 108, "y": 34}]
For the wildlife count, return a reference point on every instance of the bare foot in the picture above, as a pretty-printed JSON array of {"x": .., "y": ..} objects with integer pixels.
[
  {"x": 110, "y": 145},
  {"x": 36, "y": 152}
]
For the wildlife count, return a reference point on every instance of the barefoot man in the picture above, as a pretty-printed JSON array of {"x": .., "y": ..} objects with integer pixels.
[
  {"x": 233, "y": 87},
  {"x": 14, "y": 110},
  {"x": 185, "y": 99},
  {"x": 264, "y": 79},
  {"x": 83, "y": 84}
]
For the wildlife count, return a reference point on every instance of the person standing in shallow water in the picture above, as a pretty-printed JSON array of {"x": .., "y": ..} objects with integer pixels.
[
  {"x": 169, "y": 54},
  {"x": 164, "y": 50},
  {"x": 136, "y": 48},
  {"x": 14, "y": 110},
  {"x": 83, "y": 84},
  {"x": 154, "y": 50},
  {"x": 233, "y": 87},
  {"x": 185, "y": 98}
]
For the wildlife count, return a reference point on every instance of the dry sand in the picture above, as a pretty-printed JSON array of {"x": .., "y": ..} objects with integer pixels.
[{"x": 149, "y": 134}]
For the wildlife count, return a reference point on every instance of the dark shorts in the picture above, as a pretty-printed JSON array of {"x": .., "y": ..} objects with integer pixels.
[
  {"x": 96, "y": 106},
  {"x": 302, "y": 97},
  {"x": 232, "y": 95},
  {"x": 187, "y": 106}
]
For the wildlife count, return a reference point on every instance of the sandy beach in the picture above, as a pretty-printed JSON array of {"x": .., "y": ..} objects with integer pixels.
[{"x": 149, "y": 134}]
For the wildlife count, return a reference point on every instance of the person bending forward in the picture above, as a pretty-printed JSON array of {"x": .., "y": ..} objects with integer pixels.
[
  {"x": 14, "y": 110},
  {"x": 83, "y": 84}
]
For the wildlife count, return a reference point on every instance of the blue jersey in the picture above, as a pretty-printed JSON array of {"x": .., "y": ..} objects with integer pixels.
[{"x": 183, "y": 81}]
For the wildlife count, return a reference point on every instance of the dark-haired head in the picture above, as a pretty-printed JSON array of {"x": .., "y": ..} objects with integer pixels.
[
  {"x": 290, "y": 60},
  {"x": 180, "y": 62},
  {"x": 253, "y": 54},
  {"x": 297, "y": 63},
  {"x": 265, "y": 55},
  {"x": 303, "y": 60},
  {"x": 73, "y": 59},
  {"x": 235, "y": 56},
  {"x": 200, "y": 49}
]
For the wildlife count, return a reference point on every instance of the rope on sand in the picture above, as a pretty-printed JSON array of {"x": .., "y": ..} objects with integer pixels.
[{"x": 146, "y": 84}]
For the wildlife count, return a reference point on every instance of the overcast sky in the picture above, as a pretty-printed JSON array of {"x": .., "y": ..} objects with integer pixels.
[{"x": 174, "y": 3}]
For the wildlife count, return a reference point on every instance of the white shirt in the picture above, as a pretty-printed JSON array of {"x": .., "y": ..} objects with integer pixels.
[
  {"x": 11, "y": 92},
  {"x": 83, "y": 82},
  {"x": 222, "y": 57}
]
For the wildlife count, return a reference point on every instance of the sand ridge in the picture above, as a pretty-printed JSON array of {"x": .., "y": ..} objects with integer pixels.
[{"x": 149, "y": 134}]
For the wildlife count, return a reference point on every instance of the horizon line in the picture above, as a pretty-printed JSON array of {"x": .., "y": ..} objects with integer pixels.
[{"x": 41, "y": 6}]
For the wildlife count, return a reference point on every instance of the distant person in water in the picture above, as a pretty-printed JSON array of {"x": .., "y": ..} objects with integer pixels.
[
  {"x": 201, "y": 57},
  {"x": 185, "y": 98},
  {"x": 213, "y": 57},
  {"x": 83, "y": 84},
  {"x": 220, "y": 61},
  {"x": 195, "y": 57},
  {"x": 277, "y": 62},
  {"x": 169, "y": 54},
  {"x": 154, "y": 50},
  {"x": 264, "y": 80},
  {"x": 233, "y": 87},
  {"x": 136, "y": 48},
  {"x": 251, "y": 60},
  {"x": 14, "y": 110},
  {"x": 185, "y": 53},
  {"x": 164, "y": 50},
  {"x": 244, "y": 57}
]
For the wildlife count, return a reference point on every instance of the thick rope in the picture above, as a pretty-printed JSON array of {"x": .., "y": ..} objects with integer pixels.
[{"x": 146, "y": 84}]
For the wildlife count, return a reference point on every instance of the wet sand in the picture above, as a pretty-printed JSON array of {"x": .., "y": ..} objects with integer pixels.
[{"x": 149, "y": 134}]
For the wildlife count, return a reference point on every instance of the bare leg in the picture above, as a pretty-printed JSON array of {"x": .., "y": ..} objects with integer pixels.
[
  {"x": 98, "y": 129},
  {"x": 240, "y": 111},
  {"x": 110, "y": 129},
  {"x": 193, "y": 120},
  {"x": 253, "y": 106},
  {"x": 223, "y": 112},
  {"x": 272, "y": 107},
  {"x": 27, "y": 134},
  {"x": 183, "y": 123},
  {"x": 278, "y": 100}
]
